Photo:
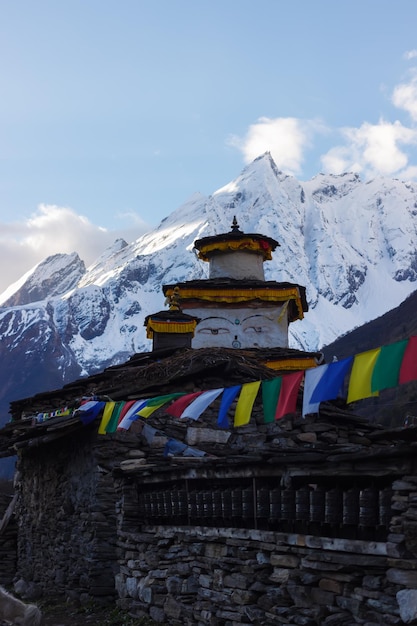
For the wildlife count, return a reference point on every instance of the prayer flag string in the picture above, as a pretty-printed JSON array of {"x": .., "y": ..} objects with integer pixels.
[{"x": 353, "y": 378}]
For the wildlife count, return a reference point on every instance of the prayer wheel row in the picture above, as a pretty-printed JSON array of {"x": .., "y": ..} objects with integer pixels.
[{"x": 313, "y": 504}]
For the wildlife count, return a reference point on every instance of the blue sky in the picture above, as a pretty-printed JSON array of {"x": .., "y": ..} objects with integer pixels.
[{"x": 113, "y": 113}]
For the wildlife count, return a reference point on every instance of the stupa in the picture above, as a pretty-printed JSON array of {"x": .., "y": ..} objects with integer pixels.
[{"x": 236, "y": 307}]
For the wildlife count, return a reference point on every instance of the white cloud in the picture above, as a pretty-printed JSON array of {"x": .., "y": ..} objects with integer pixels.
[
  {"x": 371, "y": 149},
  {"x": 51, "y": 230},
  {"x": 410, "y": 54},
  {"x": 340, "y": 159},
  {"x": 410, "y": 173},
  {"x": 405, "y": 97},
  {"x": 286, "y": 138},
  {"x": 382, "y": 148}
]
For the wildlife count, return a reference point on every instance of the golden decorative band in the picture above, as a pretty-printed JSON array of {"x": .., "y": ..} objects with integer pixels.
[
  {"x": 252, "y": 245},
  {"x": 236, "y": 296},
  {"x": 292, "y": 364},
  {"x": 169, "y": 327}
]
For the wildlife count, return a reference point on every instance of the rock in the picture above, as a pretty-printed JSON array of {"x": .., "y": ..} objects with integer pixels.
[{"x": 407, "y": 602}]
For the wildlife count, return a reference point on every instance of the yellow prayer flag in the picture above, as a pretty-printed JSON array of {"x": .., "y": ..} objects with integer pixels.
[
  {"x": 244, "y": 405},
  {"x": 360, "y": 383},
  {"x": 148, "y": 410},
  {"x": 107, "y": 413}
]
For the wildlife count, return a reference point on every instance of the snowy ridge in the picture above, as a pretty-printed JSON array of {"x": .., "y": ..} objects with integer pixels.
[
  {"x": 352, "y": 244},
  {"x": 52, "y": 277}
]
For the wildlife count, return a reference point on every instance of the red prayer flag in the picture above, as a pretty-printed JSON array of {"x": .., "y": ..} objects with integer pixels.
[
  {"x": 177, "y": 408},
  {"x": 287, "y": 401},
  {"x": 408, "y": 369},
  {"x": 125, "y": 409}
]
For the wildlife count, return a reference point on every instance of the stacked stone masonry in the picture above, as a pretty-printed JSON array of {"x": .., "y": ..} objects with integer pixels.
[
  {"x": 8, "y": 540},
  {"x": 93, "y": 524},
  {"x": 228, "y": 576}
]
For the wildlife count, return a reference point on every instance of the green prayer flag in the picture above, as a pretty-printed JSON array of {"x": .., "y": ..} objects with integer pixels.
[
  {"x": 387, "y": 367},
  {"x": 155, "y": 403},
  {"x": 114, "y": 420},
  {"x": 159, "y": 400},
  {"x": 270, "y": 395}
]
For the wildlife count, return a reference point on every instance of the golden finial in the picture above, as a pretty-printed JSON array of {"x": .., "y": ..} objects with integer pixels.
[{"x": 174, "y": 300}]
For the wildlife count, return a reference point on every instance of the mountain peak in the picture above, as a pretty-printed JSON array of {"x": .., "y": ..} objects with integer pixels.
[{"x": 56, "y": 275}]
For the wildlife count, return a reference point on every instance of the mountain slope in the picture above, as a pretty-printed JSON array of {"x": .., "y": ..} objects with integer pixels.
[
  {"x": 350, "y": 243},
  {"x": 399, "y": 323},
  {"x": 395, "y": 405}
]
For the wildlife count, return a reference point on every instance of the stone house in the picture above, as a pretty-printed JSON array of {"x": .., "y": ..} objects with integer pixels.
[{"x": 302, "y": 520}]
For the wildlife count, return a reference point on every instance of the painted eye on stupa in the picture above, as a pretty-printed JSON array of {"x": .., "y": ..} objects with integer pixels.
[
  {"x": 213, "y": 331},
  {"x": 255, "y": 329}
]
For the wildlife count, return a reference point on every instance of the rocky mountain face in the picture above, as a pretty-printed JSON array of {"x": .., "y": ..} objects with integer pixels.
[
  {"x": 396, "y": 406},
  {"x": 395, "y": 325},
  {"x": 351, "y": 243}
]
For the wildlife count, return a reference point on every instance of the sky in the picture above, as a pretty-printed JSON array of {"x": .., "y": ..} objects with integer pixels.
[{"x": 113, "y": 113}]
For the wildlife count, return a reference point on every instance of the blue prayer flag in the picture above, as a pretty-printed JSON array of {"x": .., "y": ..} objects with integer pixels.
[
  {"x": 229, "y": 394},
  {"x": 330, "y": 385}
]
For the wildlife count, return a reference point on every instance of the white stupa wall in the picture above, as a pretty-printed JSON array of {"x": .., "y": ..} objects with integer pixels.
[
  {"x": 240, "y": 327},
  {"x": 238, "y": 265}
]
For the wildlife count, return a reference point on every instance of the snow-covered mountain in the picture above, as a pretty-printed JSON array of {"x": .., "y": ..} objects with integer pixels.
[{"x": 351, "y": 243}]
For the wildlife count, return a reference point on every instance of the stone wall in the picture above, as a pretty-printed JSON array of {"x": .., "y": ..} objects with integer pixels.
[
  {"x": 66, "y": 518},
  {"x": 99, "y": 518},
  {"x": 8, "y": 540},
  {"x": 201, "y": 576}
]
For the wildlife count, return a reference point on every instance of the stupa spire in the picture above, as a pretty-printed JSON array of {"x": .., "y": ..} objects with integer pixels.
[{"x": 235, "y": 226}]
